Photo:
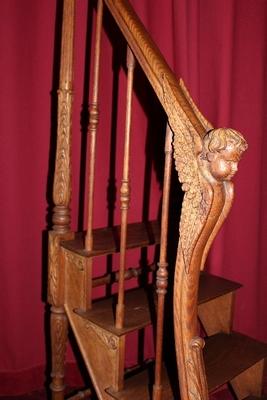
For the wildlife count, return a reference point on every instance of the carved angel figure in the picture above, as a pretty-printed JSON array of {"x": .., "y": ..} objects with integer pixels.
[
  {"x": 223, "y": 149},
  {"x": 201, "y": 160},
  {"x": 206, "y": 159}
]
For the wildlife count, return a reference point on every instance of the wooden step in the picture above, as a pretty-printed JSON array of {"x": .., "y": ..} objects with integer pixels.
[
  {"x": 107, "y": 240},
  {"x": 139, "y": 303},
  {"x": 211, "y": 287},
  {"x": 137, "y": 312},
  {"x": 216, "y": 303},
  {"x": 140, "y": 386},
  {"x": 225, "y": 356},
  {"x": 228, "y": 355}
]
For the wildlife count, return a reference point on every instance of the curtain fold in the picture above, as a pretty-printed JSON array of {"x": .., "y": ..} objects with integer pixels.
[{"x": 219, "y": 49}]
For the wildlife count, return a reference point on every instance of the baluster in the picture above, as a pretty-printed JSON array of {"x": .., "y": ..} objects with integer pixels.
[
  {"x": 125, "y": 189},
  {"x": 93, "y": 123},
  {"x": 162, "y": 273},
  {"x": 61, "y": 211}
]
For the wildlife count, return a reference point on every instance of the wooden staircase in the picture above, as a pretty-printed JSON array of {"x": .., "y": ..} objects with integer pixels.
[{"x": 203, "y": 304}]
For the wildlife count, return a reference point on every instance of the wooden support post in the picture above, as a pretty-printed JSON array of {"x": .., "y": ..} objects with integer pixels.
[
  {"x": 125, "y": 189},
  {"x": 59, "y": 334},
  {"x": 61, "y": 198},
  {"x": 93, "y": 123},
  {"x": 162, "y": 273}
]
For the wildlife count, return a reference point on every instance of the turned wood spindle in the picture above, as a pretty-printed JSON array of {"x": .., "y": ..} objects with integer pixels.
[
  {"x": 125, "y": 189},
  {"x": 162, "y": 272},
  {"x": 61, "y": 198},
  {"x": 93, "y": 123},
  {"x": 62, "y": 176}
]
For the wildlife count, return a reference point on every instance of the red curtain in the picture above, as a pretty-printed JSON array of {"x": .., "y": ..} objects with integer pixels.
[{"x": 219, "y": 48}]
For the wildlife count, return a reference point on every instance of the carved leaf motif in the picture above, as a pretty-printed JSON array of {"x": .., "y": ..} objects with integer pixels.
[
  {"x": 59, "y": 342},
  {"x": 62, "y": 190},
  {"x": 109, "y": 340},
  {"x": 53, "y": 266},
  {"x": 187, "y": 148}
]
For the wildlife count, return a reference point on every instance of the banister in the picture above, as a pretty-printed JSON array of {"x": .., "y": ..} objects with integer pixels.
[
  {"x": 206, "y": 160},
  {"x": 153, "y": 63}
]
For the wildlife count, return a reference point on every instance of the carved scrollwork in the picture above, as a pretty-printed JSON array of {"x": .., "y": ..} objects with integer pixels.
[
  {"x": 111, "y": 341},
  {"x": 195, "y": 365},
  {"x": 62, "y": 187}
]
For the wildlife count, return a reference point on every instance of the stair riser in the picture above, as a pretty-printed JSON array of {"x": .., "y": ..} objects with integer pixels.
[
  {"x": 78, "y": 280},
  {"x": 250, "y": 382},
  {"x": 217, "y": 314}
]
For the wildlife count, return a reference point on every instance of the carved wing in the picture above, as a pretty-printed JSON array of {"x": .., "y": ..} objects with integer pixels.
[
  {"x": 187, "y": 145},
  {"x": 206, "y": 124}
]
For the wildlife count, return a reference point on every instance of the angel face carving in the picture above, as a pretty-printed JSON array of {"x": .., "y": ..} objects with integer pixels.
[{"x": 223, "y": 149}]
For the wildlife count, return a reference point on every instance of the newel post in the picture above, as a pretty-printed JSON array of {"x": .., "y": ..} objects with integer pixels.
[
  {"x": 61, "y": 211},
  {"x": 206, "y": 160}
]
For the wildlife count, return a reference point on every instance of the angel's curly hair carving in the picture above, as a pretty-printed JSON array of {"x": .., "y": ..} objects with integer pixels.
[{"x": 217, "y": 140}]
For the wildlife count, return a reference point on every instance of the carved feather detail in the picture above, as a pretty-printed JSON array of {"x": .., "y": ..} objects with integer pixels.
[
  {"x": 187, "y": 149},
  {"x": 206, "y": 124}
]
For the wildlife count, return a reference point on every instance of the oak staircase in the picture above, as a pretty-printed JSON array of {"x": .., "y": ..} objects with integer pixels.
[{"x": 203, "y": 304}]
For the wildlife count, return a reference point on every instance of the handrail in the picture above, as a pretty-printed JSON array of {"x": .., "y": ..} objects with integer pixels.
[
  {"x": 206, "y": 160},
  {"x": 152, "y": 62}
]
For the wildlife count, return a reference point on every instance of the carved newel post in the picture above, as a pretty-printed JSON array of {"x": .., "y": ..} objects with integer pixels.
[
  {"x": 206, "y": 159},
  {"x": 61, "y": 211},
  {"x": 206, "y": 179}
]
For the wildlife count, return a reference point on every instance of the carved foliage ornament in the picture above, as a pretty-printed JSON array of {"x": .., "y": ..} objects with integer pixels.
[
  {"x": 62, "y": 187},
  {"x": 55, "y": 272},
  {"x": 53, "y": 268},
  {"x": 111, "y": 341},
  {"x": 59, "y": 337}
]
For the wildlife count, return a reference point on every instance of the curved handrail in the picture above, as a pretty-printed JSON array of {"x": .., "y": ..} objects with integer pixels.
[
  {"x": 206, "y": 159},
  {"x": 153, "y": 63}
]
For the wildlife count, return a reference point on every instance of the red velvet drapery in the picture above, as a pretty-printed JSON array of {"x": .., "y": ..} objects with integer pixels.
[{"x": 219, "y": 48}]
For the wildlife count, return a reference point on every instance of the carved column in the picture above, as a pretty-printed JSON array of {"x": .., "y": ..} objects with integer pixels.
[{"x": 61, "y": 211}]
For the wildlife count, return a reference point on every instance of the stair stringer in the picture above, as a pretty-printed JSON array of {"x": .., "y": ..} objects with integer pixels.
[{"x": 103, "y": 353}]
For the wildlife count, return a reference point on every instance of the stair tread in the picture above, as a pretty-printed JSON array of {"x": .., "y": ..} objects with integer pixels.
[
  {"x": 138, "y": 304},
  {"x": 107, "y": 240},
  {"x": 137, "y": 312},
  {"x": 212, "y": 286},
  {"x": 140, "y": 386},
  {"x": 227, "y": 355}
]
